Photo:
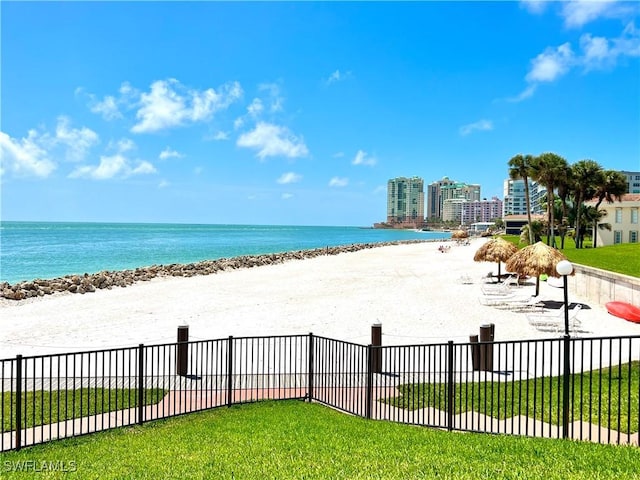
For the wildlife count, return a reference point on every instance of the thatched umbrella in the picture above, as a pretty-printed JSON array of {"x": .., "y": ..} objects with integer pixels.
[
  {"x": 535, "y": 260},
  {"x": 460, "y": 234},
  {"x": 495, "y": 250}
]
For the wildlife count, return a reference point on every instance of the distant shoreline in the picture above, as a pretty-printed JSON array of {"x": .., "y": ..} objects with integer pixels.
[
  {"x": 37, "y": 250},
  {"x": 89, "y": 283}
]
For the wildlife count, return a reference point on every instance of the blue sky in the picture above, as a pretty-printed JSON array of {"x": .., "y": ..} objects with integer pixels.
[{"x": 299, "y": 113}]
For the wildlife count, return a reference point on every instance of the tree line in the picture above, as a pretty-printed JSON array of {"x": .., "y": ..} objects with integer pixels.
[{"x": 568, "y": 188}]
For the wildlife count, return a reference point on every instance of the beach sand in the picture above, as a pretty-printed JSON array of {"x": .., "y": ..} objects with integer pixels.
[{"x": 412, "y": 290}]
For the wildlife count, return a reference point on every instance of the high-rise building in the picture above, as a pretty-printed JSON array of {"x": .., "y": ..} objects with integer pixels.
[
  {"x": 481, "y": 211},
  {"x": 633, "y": 178},
  {"x": 405, "y": 200},
  {"x": 456, "y": 193},
  {"x": 514, "y": 197},
  {"x": 454, "y": 197},
  {"x": 434, "y": 197}
]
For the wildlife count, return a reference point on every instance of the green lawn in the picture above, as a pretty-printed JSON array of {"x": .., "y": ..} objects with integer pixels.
[
  {"x": 596, "y": 397},
  {"x": 45, "y": 407},
  {"x": 623, "y": 258},
  {"x": 293, "y": 439}
]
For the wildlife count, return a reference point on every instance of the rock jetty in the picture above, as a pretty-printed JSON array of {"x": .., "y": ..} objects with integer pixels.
[{"x": 88, "y": 283}]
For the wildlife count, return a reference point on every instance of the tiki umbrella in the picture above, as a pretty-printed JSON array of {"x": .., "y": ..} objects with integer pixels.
[
  {"x": 535, "y": 260},
  {"x": 495, "y": 250},
  {"x": 460, "y": 234}
]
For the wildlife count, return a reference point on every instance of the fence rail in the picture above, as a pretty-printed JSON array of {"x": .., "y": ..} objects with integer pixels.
[{"x": 581, "y": 388}]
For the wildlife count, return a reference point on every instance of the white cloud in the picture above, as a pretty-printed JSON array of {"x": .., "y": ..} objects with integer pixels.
[
  {"x": 337, "y": 76},
  {"x": 163, "y": 184},
  {"x": 169, "y": 153},
  {"x": 338, "y": 182},
  {"x": 112, "y": 166},
  {"x": 276, "y": 100},
  {"x": 526, "y": 93},
  {"x": 256, "y": 108},
  {"x": 338, "y": 155},
  {"x": 362, "y": 158},
  {"x": 273, "y": 140},
  {"x": 220, "y": 135},
  {"x": 169, "y": 104},
  {"x": 24, "y": 157},
  {"x": 578, "y": 13},
  {"x": 600, "y": 52},
  {"x": 380, "y": 189},
  {"x": 289, "y": 177},
  {"x": 479, "y": 126},
  {"x": 551, "y": 64},
  {"x": 77, "y": 140},
  {"x": 287, "y": 196},
  {"x": 108, "y": 108},
  {"x": 534, "y": 6},
  {"x": 124, "y": 145}
]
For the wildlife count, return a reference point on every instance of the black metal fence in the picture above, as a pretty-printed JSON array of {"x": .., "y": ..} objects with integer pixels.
[{"x": 581, "y": 388}]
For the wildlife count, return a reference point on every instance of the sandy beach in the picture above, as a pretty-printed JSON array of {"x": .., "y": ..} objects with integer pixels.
[{"x": 414, "y": 291}]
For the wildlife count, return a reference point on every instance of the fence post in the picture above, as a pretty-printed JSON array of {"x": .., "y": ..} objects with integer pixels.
[
  {"x": 18, "y": 402},
  {"x": 140, "y": 383},
  {"x": 450, "y": 385},
  {"x": 369, "y": 394},
  {"x": 182, "y": 358},
  {"x": 230, "y": 371},
  {"x": 565, "y": 386},
  {"x": 376, "y": 341},
  {"x": 310, "y": 374}
]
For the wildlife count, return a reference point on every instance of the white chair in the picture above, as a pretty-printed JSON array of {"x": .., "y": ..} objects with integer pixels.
[
  {"x": 554, "y": 322},
  {"x": 502, "y": 287},
  {"x": 501, "y": 300}
]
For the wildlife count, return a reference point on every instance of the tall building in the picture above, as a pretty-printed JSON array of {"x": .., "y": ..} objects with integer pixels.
[
  {"x": 481, "y": 211},
  {"x": 514, "y": 197},
  {"x": 455, "y": 197},
  {"x": 633, "y": 178},
  {"x": 445, "y": 198},
  {"x": 405, "y": 200},
  {"x": 434, "y": 197}
]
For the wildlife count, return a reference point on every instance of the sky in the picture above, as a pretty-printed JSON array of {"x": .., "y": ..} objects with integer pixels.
[{"x": 299, "y": 113}]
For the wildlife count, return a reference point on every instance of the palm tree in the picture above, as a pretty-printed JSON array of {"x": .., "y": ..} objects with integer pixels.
[
  {"x": 611, "y": 186},
  {"x": 586, "y": 175},
  {"x": 520, "y": 168},
  {"x": 534, "y": 229},
  {"x": 593, "y": 216},
  {"x": 549, "y": 169},
  {"x": 565, "y": 187}
]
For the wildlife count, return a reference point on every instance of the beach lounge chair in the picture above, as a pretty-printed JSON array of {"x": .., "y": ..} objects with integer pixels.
[
  {"x": 502, "y": 300},
  {"x": 554, "y": 321},
  {"x": 501, "y": 288}
]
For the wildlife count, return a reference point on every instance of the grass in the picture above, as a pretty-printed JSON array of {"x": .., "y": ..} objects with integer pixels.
[
  {"x": 597, "y": 396},
  {"x": 43, "y": 407},
  {"x": 293, "y": 439},
  {"x": 622, "y": 258}
]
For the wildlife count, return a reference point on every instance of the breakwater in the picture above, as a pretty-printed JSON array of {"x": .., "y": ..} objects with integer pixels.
[{"x": 88, "y": 283}]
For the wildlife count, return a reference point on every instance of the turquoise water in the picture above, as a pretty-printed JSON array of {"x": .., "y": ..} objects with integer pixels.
[{"x": 30, "y": 250}]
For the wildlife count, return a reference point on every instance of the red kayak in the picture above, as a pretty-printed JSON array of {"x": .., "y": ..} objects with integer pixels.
[{"x": 624, "y": 310}]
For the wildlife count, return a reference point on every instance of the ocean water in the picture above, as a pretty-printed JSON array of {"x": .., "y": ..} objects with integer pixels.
[{"x": 30, "y": 250}]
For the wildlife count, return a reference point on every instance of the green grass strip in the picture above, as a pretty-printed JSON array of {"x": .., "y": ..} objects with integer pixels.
[
  {"x": 623, "y": 258},
  {"x": 297, "y": 440},
  {"x": 44, "y": 407},
  {"x": 606, "y": 397}
]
